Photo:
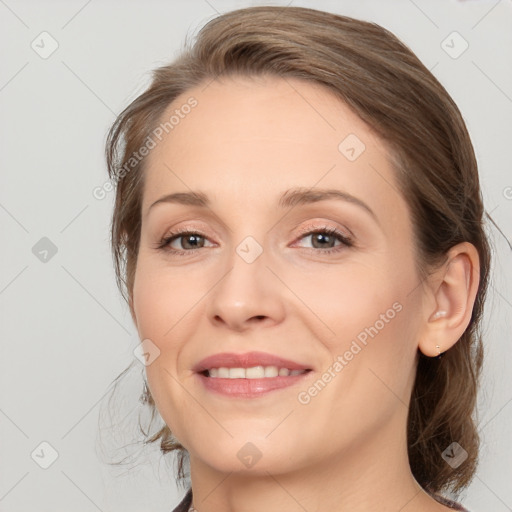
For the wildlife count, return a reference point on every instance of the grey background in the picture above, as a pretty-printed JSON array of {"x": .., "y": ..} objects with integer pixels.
[{"x": 66, "y": 334}]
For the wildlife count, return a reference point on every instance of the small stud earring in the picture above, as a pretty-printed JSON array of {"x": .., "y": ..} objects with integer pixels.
[
  {"x": 438, "y": 314},
  {"x": 439, "y": 353}
]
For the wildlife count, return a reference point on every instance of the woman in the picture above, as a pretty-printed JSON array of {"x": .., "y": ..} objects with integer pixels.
[{"x": 298, "y": 231}]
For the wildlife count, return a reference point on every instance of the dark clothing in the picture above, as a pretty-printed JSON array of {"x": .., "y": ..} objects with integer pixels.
[
  {"x": 187, "y": 501},
  {"x": 449, "y": 503}
]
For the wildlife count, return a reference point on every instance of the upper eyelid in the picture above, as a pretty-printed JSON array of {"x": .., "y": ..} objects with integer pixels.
[
  {"x": 318, "y": 224},
  {"x": 302, "y": 231}
]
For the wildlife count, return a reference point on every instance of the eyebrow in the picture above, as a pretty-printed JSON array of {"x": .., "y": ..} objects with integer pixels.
[{"x": 289, "y": 199}]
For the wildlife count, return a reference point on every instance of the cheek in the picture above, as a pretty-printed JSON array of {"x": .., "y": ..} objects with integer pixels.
[
  {"x": 166, "y": 305},
  {"x": 364, "y": 314},
  {"x": 161, "y": 299},
  {"x": 349, "y": 299},
  {"x": 160, "y": 305}
]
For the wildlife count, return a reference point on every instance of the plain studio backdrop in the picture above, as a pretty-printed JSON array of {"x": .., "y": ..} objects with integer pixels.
[{"x": 68, "y": 68}]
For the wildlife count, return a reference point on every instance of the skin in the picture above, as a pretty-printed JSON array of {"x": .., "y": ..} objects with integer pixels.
[{"x": 245, "y": 143}]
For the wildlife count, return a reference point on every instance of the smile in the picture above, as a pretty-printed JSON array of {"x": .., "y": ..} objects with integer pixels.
[{"x": 254, "y": 372}]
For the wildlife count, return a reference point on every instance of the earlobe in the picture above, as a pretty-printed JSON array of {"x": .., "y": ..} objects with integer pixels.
[
  {"x": 454, "y": 287},
  {"x": 435, "y": 316}
]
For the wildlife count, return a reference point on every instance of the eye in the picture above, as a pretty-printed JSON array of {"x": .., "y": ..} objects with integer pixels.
[
  {"x": 190, "y": 241},
  {"x": 325, "y": 239}
]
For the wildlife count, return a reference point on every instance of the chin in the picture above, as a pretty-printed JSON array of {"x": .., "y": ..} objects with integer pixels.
[{"x": 257, "y": 455}]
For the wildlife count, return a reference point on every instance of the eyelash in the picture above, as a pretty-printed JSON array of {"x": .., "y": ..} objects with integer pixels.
[{"x": 345, "y": 240}]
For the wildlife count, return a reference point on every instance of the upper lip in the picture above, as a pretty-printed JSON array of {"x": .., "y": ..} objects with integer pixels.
[{"x": 246, "y": 360}]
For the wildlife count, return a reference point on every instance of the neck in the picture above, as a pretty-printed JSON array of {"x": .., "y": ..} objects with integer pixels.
[{"x": 372, "y": 475}]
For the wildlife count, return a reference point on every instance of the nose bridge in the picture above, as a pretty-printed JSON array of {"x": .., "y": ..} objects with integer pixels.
[{"x": 248, "y": 290}]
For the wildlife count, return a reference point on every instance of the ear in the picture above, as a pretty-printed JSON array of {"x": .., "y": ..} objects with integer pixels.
[{"x": 452, "y": 291}]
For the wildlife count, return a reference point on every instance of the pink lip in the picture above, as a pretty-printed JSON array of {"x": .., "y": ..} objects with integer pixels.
[
  {"x": 246, "y": 360},
  {"x": 247, "y": 388}
]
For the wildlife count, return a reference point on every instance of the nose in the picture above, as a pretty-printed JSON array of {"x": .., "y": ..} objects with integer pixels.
[{"x": 248, "y": 295}]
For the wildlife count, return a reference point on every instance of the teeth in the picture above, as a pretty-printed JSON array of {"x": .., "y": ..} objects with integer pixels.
[
  {"x": 236, "y": 373},
  {"x": 255, "y": 372},
  {"x": 271, "y": 371},
  {"x": 259, "y": 372}
]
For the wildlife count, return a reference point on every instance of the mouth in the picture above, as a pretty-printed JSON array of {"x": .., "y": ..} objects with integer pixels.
[{"x": 249, "y": 375}]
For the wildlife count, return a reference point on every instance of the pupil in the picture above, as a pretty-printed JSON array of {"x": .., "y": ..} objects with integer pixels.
[
  {"x": 192, "y": 238},
  {"x": 321, "y": 237}
]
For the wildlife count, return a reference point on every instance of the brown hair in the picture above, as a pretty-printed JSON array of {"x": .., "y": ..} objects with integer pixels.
[{"x": 388, "y": 87}]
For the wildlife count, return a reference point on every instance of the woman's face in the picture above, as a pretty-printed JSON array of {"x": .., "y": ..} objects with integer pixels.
[{"x": 258, "y": 273}]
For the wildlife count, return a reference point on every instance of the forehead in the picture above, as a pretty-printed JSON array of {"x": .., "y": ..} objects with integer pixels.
[
  {"x": 275, "y": 111},
  {"x": 249, "y": 140}
]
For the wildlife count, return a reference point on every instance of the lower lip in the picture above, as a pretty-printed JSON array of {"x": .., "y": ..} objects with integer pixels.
[{"x": 249, "y": 388}]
